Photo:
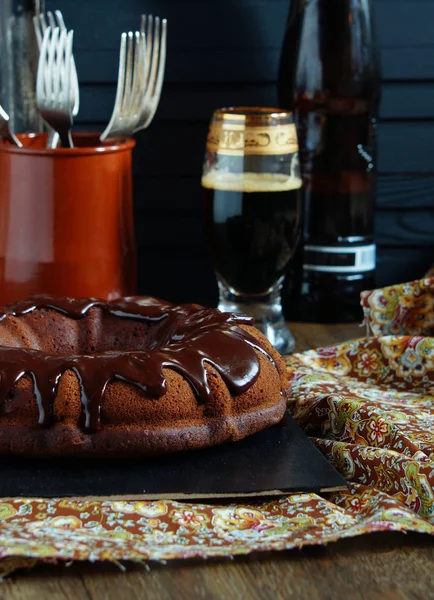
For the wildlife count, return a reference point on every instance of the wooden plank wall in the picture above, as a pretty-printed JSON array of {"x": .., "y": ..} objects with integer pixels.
[{"x": 224, "y": 52}]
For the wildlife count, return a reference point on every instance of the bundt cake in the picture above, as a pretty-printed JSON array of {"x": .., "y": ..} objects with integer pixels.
[{"x": 136, "y": 376}]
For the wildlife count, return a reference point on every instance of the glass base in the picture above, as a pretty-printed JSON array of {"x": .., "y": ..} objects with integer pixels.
[{"x": 267, "y": 312}]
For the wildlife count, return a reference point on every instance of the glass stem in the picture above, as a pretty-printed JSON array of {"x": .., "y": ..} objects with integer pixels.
[{"x": 267, "y": 312}]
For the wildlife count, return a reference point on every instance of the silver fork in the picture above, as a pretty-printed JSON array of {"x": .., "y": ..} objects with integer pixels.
[
  {"x": 41, "y": 22},
  {"x": 53, "y": 84},
  {"x": 154, "y": 75},
  {"x": 130, "y": 87},
  {"x": 5, "y": 132}
]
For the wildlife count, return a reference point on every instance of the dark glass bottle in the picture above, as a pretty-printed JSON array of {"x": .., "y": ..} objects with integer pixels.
[{"x": 329, "y": 76}]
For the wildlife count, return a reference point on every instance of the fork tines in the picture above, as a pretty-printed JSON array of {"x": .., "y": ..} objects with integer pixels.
[
  {"x": 130, "y": 86},
  {"x": 43, "y": 20},
  {"x": 142, "y": 60},
  {"x": 156, "y": 50},
  {"x": 53, "y": 20},
  {"x": 53, "y": 85}
]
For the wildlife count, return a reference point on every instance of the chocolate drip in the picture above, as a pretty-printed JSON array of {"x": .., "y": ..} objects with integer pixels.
[
  {"x": 190, "y": 337},
  {"x": 150, "y": 309}
]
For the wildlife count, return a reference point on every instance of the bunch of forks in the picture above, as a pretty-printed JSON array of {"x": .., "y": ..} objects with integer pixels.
[{"x": 142, "y": 59}]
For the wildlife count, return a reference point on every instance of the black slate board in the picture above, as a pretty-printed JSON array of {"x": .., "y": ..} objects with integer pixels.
[{"x": 276, "y": 461}]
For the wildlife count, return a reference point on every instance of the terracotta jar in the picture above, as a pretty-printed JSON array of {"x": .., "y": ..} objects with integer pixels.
[{"x": 66, "y": 219}]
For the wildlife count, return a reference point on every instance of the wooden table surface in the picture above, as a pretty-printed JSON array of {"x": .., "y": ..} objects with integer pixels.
[{"x": 378, "y": 566}]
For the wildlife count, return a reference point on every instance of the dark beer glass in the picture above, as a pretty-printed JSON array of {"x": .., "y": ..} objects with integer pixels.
[{"x": 252, "y": 211}]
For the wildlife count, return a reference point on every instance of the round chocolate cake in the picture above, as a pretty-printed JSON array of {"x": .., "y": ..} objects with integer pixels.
[{"x": 137, "y": 376}]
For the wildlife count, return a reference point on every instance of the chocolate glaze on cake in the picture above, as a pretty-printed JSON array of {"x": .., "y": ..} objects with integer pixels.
[{"x": 187, "y": 339}]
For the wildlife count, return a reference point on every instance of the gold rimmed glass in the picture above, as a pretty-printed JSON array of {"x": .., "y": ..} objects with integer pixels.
[{"x": 252, "y": 207}]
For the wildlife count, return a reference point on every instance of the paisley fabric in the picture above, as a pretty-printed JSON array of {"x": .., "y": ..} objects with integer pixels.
[
  {"x": 407, "y": 308},
  {"x": 367, "y": 404}
]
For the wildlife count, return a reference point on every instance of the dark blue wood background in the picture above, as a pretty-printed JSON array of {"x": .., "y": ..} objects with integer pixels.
[{"x": 223, "y": 52}]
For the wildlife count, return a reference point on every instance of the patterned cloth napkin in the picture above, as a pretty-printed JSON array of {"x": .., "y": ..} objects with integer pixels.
[{"x": 367, "y": 404}]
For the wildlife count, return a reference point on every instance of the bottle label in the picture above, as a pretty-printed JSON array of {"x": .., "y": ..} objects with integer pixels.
[{"x": 339, "y": 259}]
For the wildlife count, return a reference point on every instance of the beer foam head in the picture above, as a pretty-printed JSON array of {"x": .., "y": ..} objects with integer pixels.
[{"x": 250, "y": 182}]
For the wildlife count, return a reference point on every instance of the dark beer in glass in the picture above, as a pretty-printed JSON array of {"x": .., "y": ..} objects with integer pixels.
[{"x": 252, "y": 212}]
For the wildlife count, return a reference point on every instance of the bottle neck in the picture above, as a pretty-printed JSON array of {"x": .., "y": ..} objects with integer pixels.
[{"x": 335, "y": 48}]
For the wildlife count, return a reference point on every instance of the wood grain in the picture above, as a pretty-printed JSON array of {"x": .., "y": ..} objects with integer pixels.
[
  {"x": 398, "y": 265},
  {"x": 181, "y": 101},
  {"x": 405, "y": 191},
  {"x": 245, "y": 64},
  {"x": 373, "y": 567},
  {"x": 405, "y": 146},
  {"x": 385, "y": 567},
  {"x": 193, "y": 101},
  {"x": 245, "y": 23},
  {"x": 405, "y": 228},
  {"x": 404, "y": 101}
]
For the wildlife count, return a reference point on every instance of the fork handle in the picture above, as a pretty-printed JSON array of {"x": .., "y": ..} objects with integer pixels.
[
  {"x": 66, "y": 139},
  {"x": 52, "y": 138}
]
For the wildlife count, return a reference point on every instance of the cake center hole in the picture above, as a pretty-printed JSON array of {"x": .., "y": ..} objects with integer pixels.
[{"x": 120, "y": 336}]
